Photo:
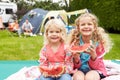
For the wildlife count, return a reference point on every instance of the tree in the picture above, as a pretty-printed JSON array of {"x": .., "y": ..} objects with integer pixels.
[
  {"x": 46, "y": 5},
  {"x": 108, "y": 12}
]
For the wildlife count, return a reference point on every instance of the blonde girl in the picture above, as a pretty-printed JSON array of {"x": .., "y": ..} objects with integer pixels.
[
  {"x": 90, "y": 62},
  {"x": 54, "y": 53}
]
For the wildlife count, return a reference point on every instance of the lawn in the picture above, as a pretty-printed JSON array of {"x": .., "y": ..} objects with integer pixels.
[
  {"x": 115, "y": 51},
  {"x": 21, "y": 48}
]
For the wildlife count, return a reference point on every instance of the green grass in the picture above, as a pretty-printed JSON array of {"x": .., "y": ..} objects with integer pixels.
[
  {"x": 115, "y": 51},
  {"x": 20, "y": 48}
]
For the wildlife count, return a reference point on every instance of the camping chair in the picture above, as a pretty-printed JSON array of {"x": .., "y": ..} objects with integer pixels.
[{"x": 28, "y": 33}]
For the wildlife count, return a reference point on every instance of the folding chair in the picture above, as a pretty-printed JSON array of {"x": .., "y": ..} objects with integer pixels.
[{"x": 28, "y": 34}]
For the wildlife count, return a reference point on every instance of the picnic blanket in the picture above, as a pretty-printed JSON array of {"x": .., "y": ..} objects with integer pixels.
[
  {"x": 32, "y": 72},
  {"x": 113, "y": 69},
  {"x": 9, "y": 67}
]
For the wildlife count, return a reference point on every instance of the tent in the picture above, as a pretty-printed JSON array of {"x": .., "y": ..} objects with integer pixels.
[
  {"x": 60, "y": 14},
  {"x": 35, "y": 17},
  {"x": 38, "y": 17}
]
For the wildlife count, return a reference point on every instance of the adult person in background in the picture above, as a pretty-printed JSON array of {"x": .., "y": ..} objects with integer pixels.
[
  {"x": 17, "y": 28},
  {"x": 1, "y": 24},
  {"x": 14, "y": 27},
  {"x": 27, "y": 27}
]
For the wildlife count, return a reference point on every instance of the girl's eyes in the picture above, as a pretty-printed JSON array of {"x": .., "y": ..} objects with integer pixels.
[
  {"x": 82, "y": 24},
  {"x": 89, "y": 23},
  {"x": 57, "y": 31},
  {"x": 54, "y": 31},
  {"x": 86, "y": 24},
  {"x": 51, "y": 31}
]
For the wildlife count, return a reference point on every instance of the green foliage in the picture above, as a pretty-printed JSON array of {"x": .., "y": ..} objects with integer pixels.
[
  {"x": 23, "y": 7},
  {"x": 108, "y": 12},
  {"x": 47, "y": 5}
]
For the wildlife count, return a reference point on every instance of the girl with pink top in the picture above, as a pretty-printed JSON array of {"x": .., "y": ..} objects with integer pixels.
[
  {"x": 54, "y": 52},
  {"x": 89, "y": 63}
]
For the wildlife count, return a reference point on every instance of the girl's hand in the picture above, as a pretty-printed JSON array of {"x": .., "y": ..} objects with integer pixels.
[
  {"x": 92, "y": 51},
  {"x": 57, "y": 75},
  {"x": 45, "y": 74},
  {"x": 76, "y": 57}
]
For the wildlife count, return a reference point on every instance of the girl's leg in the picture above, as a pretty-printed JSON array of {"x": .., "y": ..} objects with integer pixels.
[
  {"x": 46, "y": 78},
  {"x": 92, "y": 75},
  {"x": 65, "y": 77},
  {"x": 79, "y": 75}
]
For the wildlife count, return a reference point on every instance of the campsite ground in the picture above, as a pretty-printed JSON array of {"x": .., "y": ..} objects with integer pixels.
[{"x": 21, "y": 48}]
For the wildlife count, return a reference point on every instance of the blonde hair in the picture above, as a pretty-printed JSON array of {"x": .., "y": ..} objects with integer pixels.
[
  {"x": 105, "y": 38},
  {"x": 99, "y": 35},
  {"x": 56, "y": 23}
]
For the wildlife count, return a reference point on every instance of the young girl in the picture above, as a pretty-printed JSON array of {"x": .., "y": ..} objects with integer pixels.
[
  {"x": 90, "y": 62},
  {"x": 54, "y": 53}
]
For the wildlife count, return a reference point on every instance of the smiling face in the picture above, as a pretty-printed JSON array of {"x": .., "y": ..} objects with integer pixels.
[
  {"x": 55, "y": 32},
  {"x": 86, "y": 26},
  {"x": 54, "y": 35}
]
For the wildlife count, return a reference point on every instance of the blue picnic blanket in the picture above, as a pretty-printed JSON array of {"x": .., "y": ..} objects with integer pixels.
[{"x": 8, "y": 67}]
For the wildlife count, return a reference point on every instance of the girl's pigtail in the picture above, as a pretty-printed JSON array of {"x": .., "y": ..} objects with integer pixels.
[{"x": 105, "y": 39}]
